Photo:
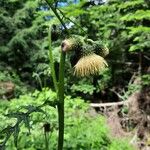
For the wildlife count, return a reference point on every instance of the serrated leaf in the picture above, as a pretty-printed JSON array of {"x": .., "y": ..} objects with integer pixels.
[
  {"x": 27, "y": 123},
  {"x": 51, "y": 103},
  {"x": 31, "y": 109},
  {"x": 16, "y": 134},
  {"x": 8, "y": 130},
  {"x": 15, "y": 115},
  {"x": 40, "y": 110}
]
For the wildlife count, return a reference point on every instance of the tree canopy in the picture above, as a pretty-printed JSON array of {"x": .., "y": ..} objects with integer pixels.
[{"x": 29, "y": 29}]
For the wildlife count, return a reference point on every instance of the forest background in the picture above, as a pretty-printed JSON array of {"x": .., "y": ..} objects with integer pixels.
[{"x": 26, "y": 76}]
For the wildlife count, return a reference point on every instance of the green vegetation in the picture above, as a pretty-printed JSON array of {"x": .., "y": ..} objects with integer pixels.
[
  {"x": 36, "y": 75},
  {"x": 82, "y": 130},
  {"x": 25, "y": 48}
]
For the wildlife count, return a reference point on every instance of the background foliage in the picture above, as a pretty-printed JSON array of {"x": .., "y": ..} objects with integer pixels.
[
  {"x": 77, "y": 119},
  {"x": 123, "y": 25}
]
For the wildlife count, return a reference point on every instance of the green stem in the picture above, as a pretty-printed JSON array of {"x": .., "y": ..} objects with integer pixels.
[
  {"x": 46, "y": 141},
  {"x": 52, "y": 60},
  {"x": 61, "y": 101},
  {"x": 57, "y": 15},
  {"x": 60, "y": 92},
  {"x": 39, "y": 80},
  {"x": 70, "y": 20}
]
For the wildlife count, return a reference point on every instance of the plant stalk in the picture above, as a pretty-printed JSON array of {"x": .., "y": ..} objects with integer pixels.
[
  {"x": 60, "y": 88},
  {"x": 46, "y": 141},
  {"x": 61, "y": 101}
]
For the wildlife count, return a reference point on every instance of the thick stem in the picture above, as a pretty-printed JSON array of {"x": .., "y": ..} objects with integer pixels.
[
  {"x": 60, "y": 87},
  {"x": 46, "y": 141},
  {"x": 61, "y": 101},
  {"x": 60, "y": 91}
]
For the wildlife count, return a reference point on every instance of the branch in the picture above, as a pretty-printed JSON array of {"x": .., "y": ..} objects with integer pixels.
[
  {"x": 147, "y": 57},
  {"x": 119, "y": 96},
  {"x": 70, "y": 20},
  {"x": 121, "y": 62},
  {"x": 57, "y": 15},
  {"x": 109, "y": 104}
]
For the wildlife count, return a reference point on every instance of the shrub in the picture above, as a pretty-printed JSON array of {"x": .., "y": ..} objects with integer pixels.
[{"x": 82, "y": 130}]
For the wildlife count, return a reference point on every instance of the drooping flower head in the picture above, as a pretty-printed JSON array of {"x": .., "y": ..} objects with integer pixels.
[
  {"x": 87, "y": 58},
  {"x": 89, "y": 65}
]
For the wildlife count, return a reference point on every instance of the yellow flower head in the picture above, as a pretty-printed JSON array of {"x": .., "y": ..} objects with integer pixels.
[{"x": 89, "y": 65}]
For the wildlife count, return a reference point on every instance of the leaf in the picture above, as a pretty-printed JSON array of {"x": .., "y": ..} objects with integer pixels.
[
  {"x": 15, "y": 115},
  {"x": 15, "y": 134},
  {"x": 31, "y": 109},
  {"x": 8, "y": 130},
  {"x": 139, "y": 29},
  {"x": 134, "y": 48},
  {"x": 51, "y": 103},
  {"x": 27, "y": 123},
  {"x": 138, "y": 15}
]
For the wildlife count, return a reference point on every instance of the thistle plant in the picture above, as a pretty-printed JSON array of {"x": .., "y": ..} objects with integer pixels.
[
  {"x": 87, "y": 61},
  {"x": 87, "y": 58}
]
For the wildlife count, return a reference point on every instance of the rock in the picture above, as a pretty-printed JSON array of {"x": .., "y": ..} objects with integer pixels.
[{"x": 7, "y": 89}]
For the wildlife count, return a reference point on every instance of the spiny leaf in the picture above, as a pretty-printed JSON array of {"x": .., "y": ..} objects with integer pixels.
[
  {"x": 8, "y": 130},
  {"x": 51, "y": 103},
  {"x": 27, "y": 123},
  {"x": 31, "y": 108},
  {"x": 15, "y": 115},
  {"x": 16, "y": 133}
]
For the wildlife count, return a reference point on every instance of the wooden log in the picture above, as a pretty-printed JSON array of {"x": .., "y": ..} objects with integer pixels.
[{"x": 109, "y": 104}]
